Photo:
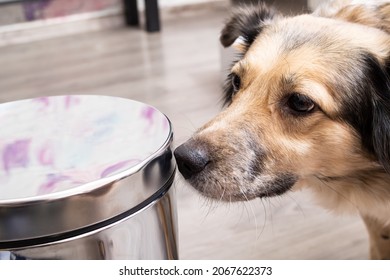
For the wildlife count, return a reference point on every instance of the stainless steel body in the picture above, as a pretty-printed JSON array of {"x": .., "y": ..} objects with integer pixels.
[
  {"x": 148, "y": 234},
  {"x": 122, "y": 204}
]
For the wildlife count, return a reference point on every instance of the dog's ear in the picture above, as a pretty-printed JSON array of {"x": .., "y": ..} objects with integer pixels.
[
  {"x": 246, "y": 24},
  {"x": 381, "y": 114},
  {"x": 367, "y": 107},
  {"x": 381, "y": 132},
  {"x": 377, "y": 139}
]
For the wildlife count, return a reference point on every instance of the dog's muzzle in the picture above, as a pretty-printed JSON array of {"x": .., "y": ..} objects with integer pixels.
[{"x": 191, "y": 158}]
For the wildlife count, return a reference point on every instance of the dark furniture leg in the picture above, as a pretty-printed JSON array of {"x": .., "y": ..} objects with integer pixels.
[
  {"x": 131, "y": 12},
  {"x": 152, "y": 16}
]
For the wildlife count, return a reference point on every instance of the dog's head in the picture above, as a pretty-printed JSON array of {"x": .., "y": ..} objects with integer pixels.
[{"x": 308, "y": 97}]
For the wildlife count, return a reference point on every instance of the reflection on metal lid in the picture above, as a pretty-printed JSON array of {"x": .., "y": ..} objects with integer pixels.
[
  {"x": 51, "y": 144},
  {"x": 71, "y": 162}
]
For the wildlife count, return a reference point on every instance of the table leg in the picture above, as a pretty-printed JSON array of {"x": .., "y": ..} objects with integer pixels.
[
  {"x": 152, "y": 16},
  {"x": 131, "y": 12}
]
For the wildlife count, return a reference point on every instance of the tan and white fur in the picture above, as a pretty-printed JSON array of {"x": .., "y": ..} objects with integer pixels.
[{"x": 308, "y": 106}]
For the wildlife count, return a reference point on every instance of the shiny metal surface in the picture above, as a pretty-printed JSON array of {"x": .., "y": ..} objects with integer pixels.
[
  {"x": 93, "y": 182},
  {"x": 148, "y": 234},
  {"x": 20, "y": 222}
]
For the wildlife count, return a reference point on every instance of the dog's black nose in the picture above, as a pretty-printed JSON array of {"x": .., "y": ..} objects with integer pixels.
[{"x": 191, "y": 158}]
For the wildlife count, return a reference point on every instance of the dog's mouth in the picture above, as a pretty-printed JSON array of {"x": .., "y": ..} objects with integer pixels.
[
  {"x": 229, "y": 178},
  {"x": 231, "y": 189}
]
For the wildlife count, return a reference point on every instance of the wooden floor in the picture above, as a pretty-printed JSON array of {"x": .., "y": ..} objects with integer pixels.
[{"x": 178, "y": 71}]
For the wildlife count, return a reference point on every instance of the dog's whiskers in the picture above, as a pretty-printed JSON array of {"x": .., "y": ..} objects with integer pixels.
[
  {"x": 337, "y": 192},
  {"x": 210, "y": 208},
  {"x": 258, "y": 234},
  {"x": 223, "y": 193},
  {"x": 251, "y": 208},
  {"x": 296, "y": 202}
]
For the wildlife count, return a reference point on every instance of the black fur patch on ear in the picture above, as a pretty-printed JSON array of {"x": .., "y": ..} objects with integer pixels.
[
  {"x": 368, "y": 111},
  {"x": 381, "y": 113},
  {"x": 247, "y": 21}
]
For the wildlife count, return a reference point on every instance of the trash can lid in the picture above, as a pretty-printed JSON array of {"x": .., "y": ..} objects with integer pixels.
[{"x": 69, "y": 162}]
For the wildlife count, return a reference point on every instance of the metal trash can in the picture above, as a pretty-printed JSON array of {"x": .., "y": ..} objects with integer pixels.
[{"x": 86, "y": 177}]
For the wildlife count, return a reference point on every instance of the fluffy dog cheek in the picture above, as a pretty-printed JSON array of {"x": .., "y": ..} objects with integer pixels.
[{"x": 335, "y": 153}]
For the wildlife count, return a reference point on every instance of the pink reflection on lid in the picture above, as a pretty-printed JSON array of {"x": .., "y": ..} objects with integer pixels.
[
  {"x": 71, "y": 101},
  {"x": 118, "y": 166},
  {"x": 148, "y": 113},
  {"x": 16, "y": 154},
  {"x": 46, "y": 155},
  {"x": 50, "y": 184}
]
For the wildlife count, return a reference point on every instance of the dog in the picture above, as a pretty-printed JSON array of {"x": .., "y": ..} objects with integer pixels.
[{"x": 307, "y": 106}]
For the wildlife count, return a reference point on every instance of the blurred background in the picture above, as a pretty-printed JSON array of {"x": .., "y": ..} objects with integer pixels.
[{"x": 166, "y": 53}]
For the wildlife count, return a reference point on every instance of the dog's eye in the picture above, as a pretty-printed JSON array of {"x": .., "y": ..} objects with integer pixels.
[
  {"x": 236, "y": 82},
  {"x": 300, "y": 103}
]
